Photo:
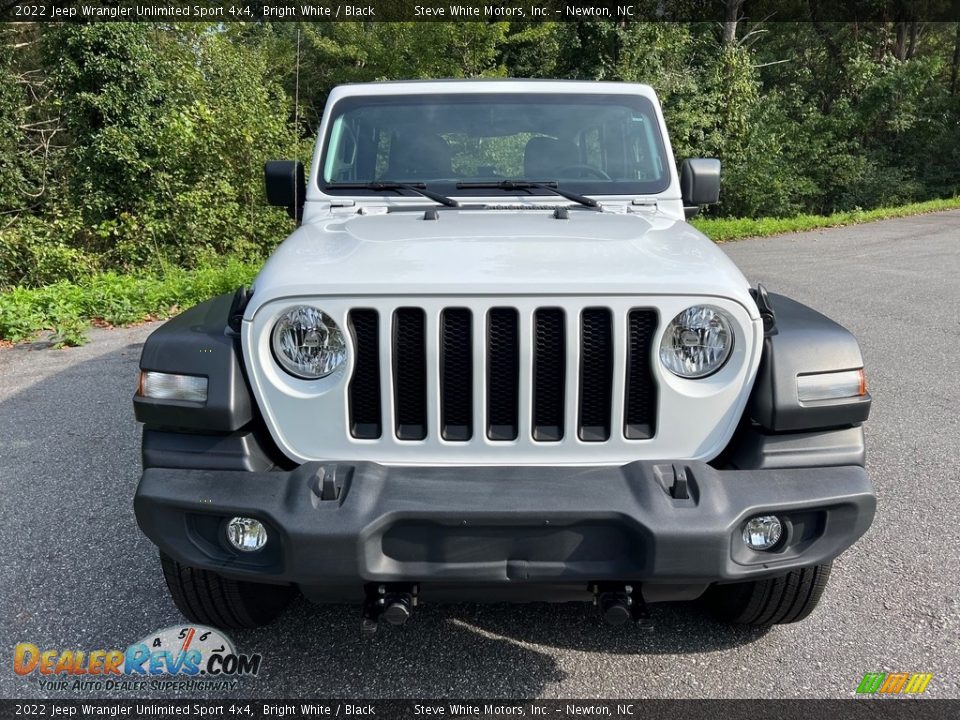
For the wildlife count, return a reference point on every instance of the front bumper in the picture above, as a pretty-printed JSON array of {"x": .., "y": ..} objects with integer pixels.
[{"x": 503, "y": 525}]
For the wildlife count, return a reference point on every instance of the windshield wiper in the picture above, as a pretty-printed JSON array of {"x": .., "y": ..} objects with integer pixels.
[
  {"x": 418, "y": 188},
  {"x": 531, "y": 185}
]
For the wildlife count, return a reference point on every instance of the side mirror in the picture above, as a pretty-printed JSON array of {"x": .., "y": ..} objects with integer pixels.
[
  {"x": 699, "y": 183},
  {"x": 286, "y": 186}
]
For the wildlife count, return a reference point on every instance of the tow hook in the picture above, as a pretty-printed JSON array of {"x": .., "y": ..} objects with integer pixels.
[
  {"x": 392, "y": 603},
  {"x": 618, "y": 605}
]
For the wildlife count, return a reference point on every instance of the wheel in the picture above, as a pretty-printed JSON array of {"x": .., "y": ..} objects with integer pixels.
[
  {"x": 209, "y": 599},
  {"x": 786, "y": 599}
]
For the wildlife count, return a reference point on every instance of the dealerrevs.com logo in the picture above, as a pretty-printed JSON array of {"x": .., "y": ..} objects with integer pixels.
[{"x": 177, "y": 657}]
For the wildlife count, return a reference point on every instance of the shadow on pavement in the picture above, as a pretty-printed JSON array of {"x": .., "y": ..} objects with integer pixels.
[{"x": 470, "y": 650}]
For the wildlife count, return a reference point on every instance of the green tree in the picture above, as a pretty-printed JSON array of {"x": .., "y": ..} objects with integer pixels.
[{"x": 113, "y": 88}]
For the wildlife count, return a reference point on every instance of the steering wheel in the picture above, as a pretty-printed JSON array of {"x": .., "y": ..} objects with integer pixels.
[{"x": 583, "y": 170}]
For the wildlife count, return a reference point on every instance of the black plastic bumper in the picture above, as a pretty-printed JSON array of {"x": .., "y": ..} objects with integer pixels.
[{"x": 503, "y": 525}]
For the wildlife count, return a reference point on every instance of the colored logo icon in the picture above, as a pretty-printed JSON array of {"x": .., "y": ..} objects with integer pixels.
[{"x": 894, "y": 683}]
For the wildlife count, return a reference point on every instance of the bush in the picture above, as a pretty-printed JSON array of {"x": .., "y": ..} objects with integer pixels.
[
  {"x": 65, "y": 307},
  {"x": 36, "y": 252}
]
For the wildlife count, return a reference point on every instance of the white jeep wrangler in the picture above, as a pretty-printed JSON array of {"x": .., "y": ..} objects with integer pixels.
[{"x": 494, "y": 362}]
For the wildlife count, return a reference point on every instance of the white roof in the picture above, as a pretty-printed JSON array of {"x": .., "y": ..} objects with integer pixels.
[{"x": 426, "y": 87}]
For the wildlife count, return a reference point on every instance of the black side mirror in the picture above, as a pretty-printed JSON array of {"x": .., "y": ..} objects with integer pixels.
[
  {"x": 286, "y": 186},
  {"x": 699, "y": 183}
]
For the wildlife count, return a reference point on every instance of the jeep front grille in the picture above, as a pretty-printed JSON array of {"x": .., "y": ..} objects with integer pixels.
[{"x": 537, "y": 373}]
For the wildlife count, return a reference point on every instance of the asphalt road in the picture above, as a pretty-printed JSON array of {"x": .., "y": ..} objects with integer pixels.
[{"x": 76, "y": 572}]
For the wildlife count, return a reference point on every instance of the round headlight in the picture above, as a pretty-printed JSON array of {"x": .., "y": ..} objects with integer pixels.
[
  {"x": 697, "y": 342},
  {"x": 307, "y": 343}
]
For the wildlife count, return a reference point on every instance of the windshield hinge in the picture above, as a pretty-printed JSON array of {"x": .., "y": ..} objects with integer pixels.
[{"x": 767, "y": 314}]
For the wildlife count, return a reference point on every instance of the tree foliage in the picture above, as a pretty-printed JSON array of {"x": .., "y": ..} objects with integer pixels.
[{"x": 131, "y": 146}]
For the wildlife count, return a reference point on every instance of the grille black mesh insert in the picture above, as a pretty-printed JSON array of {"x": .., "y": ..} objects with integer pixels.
[
  {"x": 364, "y": 391},
  {"x": 549, "y": 374},
  {"x": 596, "y": 374},
  {"x": 410, "y": 373},
  {"x": 503, "y": 366},
  {"x": 640, "y": 402},
  {"x": 456, "y": 374},
  {"x": 549, "y": 402}
]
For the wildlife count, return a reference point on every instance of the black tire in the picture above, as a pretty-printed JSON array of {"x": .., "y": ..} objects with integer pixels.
[
  {"x": 774, "y": 601},
  {"x": 210, "y": 599}
]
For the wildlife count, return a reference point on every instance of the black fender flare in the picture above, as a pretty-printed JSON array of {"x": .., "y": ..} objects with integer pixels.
[
  {"x": 199, "y": 342},
  {"x": 804, "y": 341}
]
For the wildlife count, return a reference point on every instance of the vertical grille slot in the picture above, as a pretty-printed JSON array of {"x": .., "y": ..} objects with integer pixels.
[
  {"x": 503, "y": 369},
  {"x": 364, "y": 391},
  {"x": 640, "y": 402},
  {"x": 456, "y": 374},
  {"x": 549, "y": 374},
  {"x": 596, "y": 374},
  {"x": 410, "y": 373}
]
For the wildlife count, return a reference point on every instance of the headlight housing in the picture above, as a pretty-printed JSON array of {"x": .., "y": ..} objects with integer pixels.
[
  {"x": 307, "y": 343},
  {"x": 697, "y": 342}
]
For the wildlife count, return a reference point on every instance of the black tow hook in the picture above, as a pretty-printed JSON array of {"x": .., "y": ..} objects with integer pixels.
[
  {"x": 392, "y": 603},
  {"x": 618, "y": 605}
]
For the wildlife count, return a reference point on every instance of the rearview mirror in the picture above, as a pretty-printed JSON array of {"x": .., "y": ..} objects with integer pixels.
[
  {"x": 286, "y": 186},
  {"x": 699, "y": 183}
]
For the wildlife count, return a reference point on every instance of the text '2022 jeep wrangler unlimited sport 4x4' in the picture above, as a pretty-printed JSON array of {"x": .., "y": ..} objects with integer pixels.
[{"x": 494, "y": 362}]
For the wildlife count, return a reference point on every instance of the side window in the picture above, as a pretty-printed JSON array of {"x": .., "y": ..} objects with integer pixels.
[
  {"x": 383, "y": 140},
  {"x": 643, "y": 160},
  {"x": 342, "y": 164},
  {"x": 591, "y": 147}
]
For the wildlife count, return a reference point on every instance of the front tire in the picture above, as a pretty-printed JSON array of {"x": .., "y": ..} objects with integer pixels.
[
  {"x": 207, "y": 598},
  {"x": 773, "y": 601}
]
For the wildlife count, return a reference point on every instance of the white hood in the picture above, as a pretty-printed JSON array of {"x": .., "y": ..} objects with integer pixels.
[{"x": 499, "y": 252}]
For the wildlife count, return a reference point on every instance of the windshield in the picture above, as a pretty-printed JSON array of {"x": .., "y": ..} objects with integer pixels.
[{"x": 596, "y": 144}]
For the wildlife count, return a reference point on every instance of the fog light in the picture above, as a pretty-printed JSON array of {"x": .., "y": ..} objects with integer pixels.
[
  {"x": 246, "y": 534},
  {"x": 762, "y": 532}
]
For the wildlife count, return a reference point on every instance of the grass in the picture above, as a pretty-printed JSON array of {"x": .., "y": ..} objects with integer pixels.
[
  {"x": 727, "y": 229},
  {"x": 67, "y": 309}
]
